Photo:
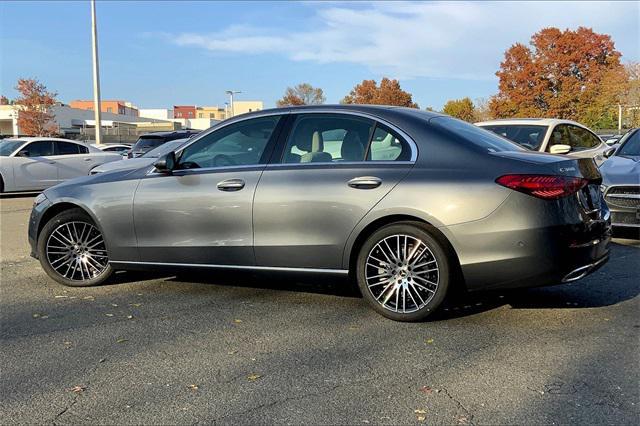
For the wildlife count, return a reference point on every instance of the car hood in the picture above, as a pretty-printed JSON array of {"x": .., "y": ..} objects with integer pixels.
[
  {"x": 129, "y": 164},
  {"x": 621, "y": 171}
]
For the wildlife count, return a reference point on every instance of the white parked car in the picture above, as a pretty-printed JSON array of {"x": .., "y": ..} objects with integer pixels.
[
  {"x": 551, "y": 135},
  {"x": 33, "y": 164},
  {"x": 119, "y": 148},
  {"x": 147, "y": 159}
]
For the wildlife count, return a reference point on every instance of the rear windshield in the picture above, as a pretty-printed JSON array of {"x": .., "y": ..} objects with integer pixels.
[
  {"x": 525, "y": 135},
  {"x": 484, "y": 139},
  {"x": 148, "y": 142}
]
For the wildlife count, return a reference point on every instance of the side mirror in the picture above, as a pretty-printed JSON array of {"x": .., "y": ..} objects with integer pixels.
[
  {"x": 609, "y": 152},
  {"x": 166, "y": 164},
  {"x": 560, "y": 149},
  {"x": 23, "y": 153}
]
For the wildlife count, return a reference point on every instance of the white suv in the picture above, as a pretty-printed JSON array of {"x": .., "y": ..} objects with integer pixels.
[{"x": 551, "y": 135}]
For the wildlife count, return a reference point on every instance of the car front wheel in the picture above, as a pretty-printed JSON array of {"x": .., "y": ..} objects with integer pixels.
[
  {"x": 403, "y": 271},
  {"x": 72, "y": 250}
]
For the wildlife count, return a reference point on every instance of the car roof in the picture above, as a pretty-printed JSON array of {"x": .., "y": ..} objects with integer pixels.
[
  {"x": 39, "y": 138},
  {"x": 168, "y": 133},
  {"x": 533, "y": 121}
]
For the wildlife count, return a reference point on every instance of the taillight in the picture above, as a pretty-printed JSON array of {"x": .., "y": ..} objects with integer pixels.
[{"x": 543, "y": 186}]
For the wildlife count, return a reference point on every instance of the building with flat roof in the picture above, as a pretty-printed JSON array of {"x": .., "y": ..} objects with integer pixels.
[
  {"x": 157, "y": 113},
  {"x": 214, "y": 112},
  {"x": 112, "y": 107},
  {"x": 184, "y": 111},
  {"x": 242, "y": 107}
]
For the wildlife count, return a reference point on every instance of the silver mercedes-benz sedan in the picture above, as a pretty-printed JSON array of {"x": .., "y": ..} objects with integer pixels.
[{"x": 409, "y": 203}]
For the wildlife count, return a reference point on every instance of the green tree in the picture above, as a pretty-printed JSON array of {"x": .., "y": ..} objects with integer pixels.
[{"x": 464, "y": 109}]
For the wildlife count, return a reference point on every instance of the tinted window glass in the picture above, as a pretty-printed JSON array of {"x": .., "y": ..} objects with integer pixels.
[
  {"x": 8, "y": 146},
  {"x": 238, "y": 144},
  {"x": 40, "y": 149},
  {"x": 165, "y": 148},
  {"x": 147, "y": 143},
  {"x": 582, "y": 139},
  {"x": 631, "y": 145},
  {"x": 472, "y": 134},
  {"x": 83, "y": 149},
  {"x": 66, "y": 148},
  {"x": 387, "y": 146},
  {"x": 528, "y": 136},
  {"x": 322, "y": 138},
  {"x": 559, "y": 136}
]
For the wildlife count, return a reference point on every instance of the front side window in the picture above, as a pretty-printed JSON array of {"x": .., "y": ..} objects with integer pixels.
[
  {"x": 559, "y": 136},
  {"x": 631, "y": 147},
  {"x": 66, "y": 148},
  {"x": 326, "y": 138},
  {"x": 582, "y": 139},
  {"x": 386, "y": 145},
  {"x": 238, "y": 144},
  {"x": 39, "y": 149}
]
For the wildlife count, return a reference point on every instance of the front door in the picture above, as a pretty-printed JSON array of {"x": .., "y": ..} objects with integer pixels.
[
  {"x": 73, "y": 160},
  {"x": 333, "y": 169},
  {"x": 202, "y": 212},
  {"x": 36, "y": 167}
]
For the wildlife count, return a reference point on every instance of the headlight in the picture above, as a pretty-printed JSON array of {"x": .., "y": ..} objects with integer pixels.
[{"x": 39, "y": 199}]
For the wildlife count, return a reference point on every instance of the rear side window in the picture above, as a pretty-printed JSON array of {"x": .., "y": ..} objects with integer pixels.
[
  {"x": 326, "y": 138},
  {"x": 582, "y": 139},
  {"x": 472, "y": 134},
  {"x": 39, "y": 149},
  {"x": 559, "y": 136},
  {"x": 386, "y": 145},
  {"x": 66, "y": 148},
  {"x": 147, "y": 143},
  {"x": 528, "y": 136}
]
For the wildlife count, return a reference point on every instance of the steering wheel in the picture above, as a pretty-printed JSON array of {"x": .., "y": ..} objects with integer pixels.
[{"x": 222, "y": 160}]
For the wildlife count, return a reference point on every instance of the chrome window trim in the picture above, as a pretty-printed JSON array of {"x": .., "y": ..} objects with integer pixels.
[
  {"x": 285, "y": 112},
  {"x": 338, "y": 163},
  {"x": 244, "y": 267},
  {"x": 183, "y": 172}
]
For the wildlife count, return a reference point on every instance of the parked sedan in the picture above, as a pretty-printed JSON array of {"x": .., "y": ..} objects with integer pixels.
[
  {"x": 145, "y": 160},
  {"x": 153, "y": 140},
  {"x": 33, "y": 164},
  {"x": 551, "y": 135},
  {"x": 621, "y": 182},
  {"x": 118, "y": 148},
  {"x": 409, "y": 203}
]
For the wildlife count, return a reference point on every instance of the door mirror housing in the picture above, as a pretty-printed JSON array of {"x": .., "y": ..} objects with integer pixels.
[
  {"x": 166, "y": 163},
  {"x": 609, "y": 152},
  {"x": 560, "y": 149},
  {"x": 23, "y": 153}
]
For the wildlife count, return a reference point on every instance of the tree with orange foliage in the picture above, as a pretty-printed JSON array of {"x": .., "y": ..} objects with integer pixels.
[
  {"x": 388, "y": 93},
  {"x": 302, "y": 94},
  {"x": 564, "y": 74},
  {"x": 35, "y": 102}
]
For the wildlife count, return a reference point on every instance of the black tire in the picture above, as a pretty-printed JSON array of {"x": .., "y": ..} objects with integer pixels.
[
  {"x": 423, "y": 298},
  {"x": 94, "y": 276}
]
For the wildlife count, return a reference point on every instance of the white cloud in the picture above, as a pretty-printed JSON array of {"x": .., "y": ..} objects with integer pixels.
[{"x": 437, "y": 39}]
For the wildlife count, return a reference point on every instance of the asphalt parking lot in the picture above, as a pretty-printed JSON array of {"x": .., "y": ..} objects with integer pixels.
[{"x": 243, "y": 348}]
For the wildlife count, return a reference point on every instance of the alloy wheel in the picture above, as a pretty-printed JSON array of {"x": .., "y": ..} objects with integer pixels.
[
  {"x": 402, "y": 273},
  {"x": 76, "y": 251}
]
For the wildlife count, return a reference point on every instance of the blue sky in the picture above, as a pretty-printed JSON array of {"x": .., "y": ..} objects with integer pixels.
[{"x": 157, "y": 54}]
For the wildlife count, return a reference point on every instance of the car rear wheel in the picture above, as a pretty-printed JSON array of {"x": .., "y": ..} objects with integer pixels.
[
  {"x": 403, "y": 271},
  {"x": 72, "y": 250}
]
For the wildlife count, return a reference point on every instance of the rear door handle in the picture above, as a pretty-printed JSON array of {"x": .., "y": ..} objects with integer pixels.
[
  {"x": 231, "y": 185},
  {"x": 365, "y": 182}
]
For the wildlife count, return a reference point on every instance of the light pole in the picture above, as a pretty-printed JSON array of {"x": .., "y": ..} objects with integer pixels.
[
  {"x": 96, "y": 76},
  {"x": 231, "y": 93}
]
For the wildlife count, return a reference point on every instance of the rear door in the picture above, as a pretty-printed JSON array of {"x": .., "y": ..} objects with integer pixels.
[
  {"x": 36, "y": 168},
  {"x": 73, "y": 160},
  {"x": 201, "y": 213},
  {"x": 330, "y": 170}
]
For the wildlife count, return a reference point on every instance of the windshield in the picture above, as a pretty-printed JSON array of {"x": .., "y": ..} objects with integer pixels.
[
  {"x": 147, "y": 143},
  {"x": 631, "y": 146},
  {"x": 164, "y": 148},
  {"x": 526, "y": 135},
  {"x": 7, "y": 146}
]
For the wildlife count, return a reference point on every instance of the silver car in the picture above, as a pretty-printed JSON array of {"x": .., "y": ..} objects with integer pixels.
[
  {"x": 551, "y": 135},
  {"x": 146, "y": 159},
  {"x": 621, "y": 183},
  {"x": 33, "y": 164},
  {"x": 410, "y": 204}
]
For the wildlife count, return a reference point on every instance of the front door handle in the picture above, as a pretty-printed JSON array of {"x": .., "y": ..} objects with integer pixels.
[
  {"x": 231, "y": 185},
  {"x": 365, "y": 182}
]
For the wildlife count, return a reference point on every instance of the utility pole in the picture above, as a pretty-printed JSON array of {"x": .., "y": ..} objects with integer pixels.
[
  {"x": 619, "y": 119},
  {"x": 231, "y": 93},
  {"x": 96, "y": 76}
]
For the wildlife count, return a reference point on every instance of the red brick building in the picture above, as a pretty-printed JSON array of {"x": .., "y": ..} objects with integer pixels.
[{"x": 184, "y": 111}]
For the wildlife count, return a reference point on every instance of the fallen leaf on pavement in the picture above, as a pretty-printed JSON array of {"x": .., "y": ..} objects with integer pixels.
[
  {"x": 253, "y": 377},
  {"x": 121, "y": 340},
  {"x": 426, "y": 389},
  {"x": 61, "y": 297},
  {"x": 237, "y": 321},
  {"x": 78, "y": 389},
  {"x": 420, "y": 411},
  {"x": 102, "y": 360},
  {"x": 109, "y": 315},
  {"x": 137, "y": 305},
  {"x": 129, "y": 316},
  {"x": 88, "y": 298},
  {"x": 429, "y": 341},
  {"x": 193, "y": 387},
  {"x": 115, "y": 305}
]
